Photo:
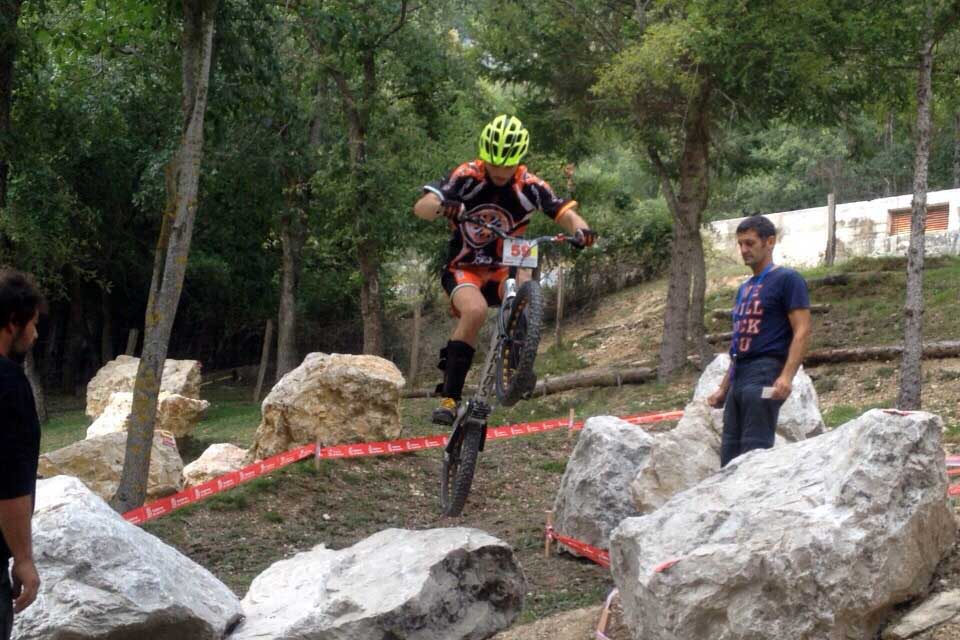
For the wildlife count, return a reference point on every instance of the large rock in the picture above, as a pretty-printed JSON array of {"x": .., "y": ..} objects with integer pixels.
[
  {"x": 799, "y": 416},
  {"x": 217, "y": 460},
  {"x": 440, "y": 584},
  {"x": 179, "y": 376},
  {"x": 175, "y": 413},
  {"x": 334, "y": 398},
  {"x": 937, "y": 610},
  {"x": 817, "y": 539},
  {"x": 593, "y": 497},
  {"x": 103, "y": 578},
  {"x": 678, "y": 459},
  {"x": 98, "y": 462}
]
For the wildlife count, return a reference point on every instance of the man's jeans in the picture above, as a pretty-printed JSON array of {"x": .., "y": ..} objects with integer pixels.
[
  {"x": 750, "y": 421},
  {"x": 6, "y": 603}
]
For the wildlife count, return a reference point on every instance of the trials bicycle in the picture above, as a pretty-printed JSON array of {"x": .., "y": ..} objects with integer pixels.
[{"x": 507, "y": 375}]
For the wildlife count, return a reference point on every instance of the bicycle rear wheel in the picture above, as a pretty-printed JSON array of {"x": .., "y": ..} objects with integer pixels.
[
  {"x": 459, "y": 465},
  {"x": 515, "y": 377}
]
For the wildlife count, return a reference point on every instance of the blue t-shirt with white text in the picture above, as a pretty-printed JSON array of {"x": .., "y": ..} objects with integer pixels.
[{"x": 763, "y": 328}]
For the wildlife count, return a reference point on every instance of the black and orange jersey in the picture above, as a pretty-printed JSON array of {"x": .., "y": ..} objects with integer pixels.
[{"x": 509, "y": 207}]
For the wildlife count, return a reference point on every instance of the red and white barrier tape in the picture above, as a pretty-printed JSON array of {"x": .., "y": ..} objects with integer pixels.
[
  {"x": 227, "y": 481},
  {"x": 600, "y": 556}
]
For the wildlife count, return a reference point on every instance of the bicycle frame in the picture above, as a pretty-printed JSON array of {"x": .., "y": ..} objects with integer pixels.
[{"x": 475, "y": 411}]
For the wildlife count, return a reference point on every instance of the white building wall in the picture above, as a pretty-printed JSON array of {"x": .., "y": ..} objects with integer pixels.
[{"x": 861, "y": 231}]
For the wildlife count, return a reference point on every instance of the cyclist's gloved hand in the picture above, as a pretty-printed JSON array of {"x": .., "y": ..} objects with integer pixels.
[
  {"x": 584, "y": 238},
  {"x": 451, "y": 210}
]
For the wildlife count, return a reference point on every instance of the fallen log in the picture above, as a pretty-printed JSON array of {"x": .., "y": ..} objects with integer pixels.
[
  {"x": 931, "y": 351},
  {"x": 555, "y": 384},
  {"x": 724, "y": 314},
  {"x": 714, "y": 338}
]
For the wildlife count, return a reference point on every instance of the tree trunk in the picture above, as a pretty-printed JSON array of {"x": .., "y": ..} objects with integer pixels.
[
  {"x": 558, "y": 331},
  {"x": 415, "y": 347},
  {"x": 371, "y": 309},
  {"x": 36, "y": 385},
  {"x": 548, "y": 385},
  {"x": 173, "y": 249},
  {"x": 909, "y": 397},
  {"x": 10, "y": 15},
  {"x": 889, "y": 182},
  {"x": 106, "y": 328},
  {"x": 697, "y": 328},
  {"x": 956, "y": 150},
  {"x": 76, "y": 338},
  {"x": 264, "y": 361},
  {"x": 686, "y": 207},
  {"x": 931, "y": 350},
  {"x": 292, "y": 237},
  {"x": 133, "y": 337}
]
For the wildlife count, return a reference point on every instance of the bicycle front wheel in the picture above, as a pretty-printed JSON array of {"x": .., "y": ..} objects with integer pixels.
[
  {"x": 517, "y": 352},
  {"x": 456, "y": 473}
]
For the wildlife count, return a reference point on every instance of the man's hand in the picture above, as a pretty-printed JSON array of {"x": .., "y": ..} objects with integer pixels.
[
  {"x": 717, "y": 398},
  {"x": 451, "y": 210},
  {"x": 26, "y": 583},
  {"x": 584, "y": 238},
  {"x": 782, "y": 387}
]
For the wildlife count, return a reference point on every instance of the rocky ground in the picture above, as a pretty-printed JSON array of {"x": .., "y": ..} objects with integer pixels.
[{"x": 240, "y": 533}]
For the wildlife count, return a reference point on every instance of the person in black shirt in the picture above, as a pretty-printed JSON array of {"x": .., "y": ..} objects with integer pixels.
[
  {"x": 499, "y": 190},
  {"x": 20, "y": 305}
]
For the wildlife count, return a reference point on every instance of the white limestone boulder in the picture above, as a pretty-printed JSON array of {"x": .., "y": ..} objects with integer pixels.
[
  {"x": 105, "y": 578},
  {"x": 181, "y": 377},
  {"x": 217, "y": 460},
  {"x": 816, "y": 539},
  {"x": 439, "y": 584},
  {"x": 799, "y": 417},
  {"x": 98, "y": 463},
  {"x": 176, "y": 414},
  {"x": 334, "y": 398},
  {"x": 677, "y": 459},
  {"x": 593, "y": 496},
  {"x": 936, "y": 610}
]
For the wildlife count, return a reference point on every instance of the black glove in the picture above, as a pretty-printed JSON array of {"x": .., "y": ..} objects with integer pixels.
[
  {"x": 451, "y": 210},
  {"x": 584, "y": 238}
]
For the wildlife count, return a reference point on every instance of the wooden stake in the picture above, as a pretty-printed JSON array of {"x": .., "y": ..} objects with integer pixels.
[
  {"x": 831, "y": 253},
  {"x": 316, "y": 456},
  {"x": 548, "y": 543},
  {"x": 264, "y": 359},
  {"x": 570, "y": 424}
]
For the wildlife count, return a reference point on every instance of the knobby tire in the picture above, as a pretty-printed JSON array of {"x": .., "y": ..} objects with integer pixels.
[
  {"x": 457, "y": 473},
  {"x": 515, "y": 376}
]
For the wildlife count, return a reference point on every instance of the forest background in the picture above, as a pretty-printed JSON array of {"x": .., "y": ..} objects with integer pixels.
[{"x": 325, "y": 117}]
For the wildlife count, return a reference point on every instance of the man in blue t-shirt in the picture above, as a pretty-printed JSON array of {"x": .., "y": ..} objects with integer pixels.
[{"x": 771, "y": 327}]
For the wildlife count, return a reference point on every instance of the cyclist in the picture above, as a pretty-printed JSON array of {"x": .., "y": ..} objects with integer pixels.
[{"x": 499, "y": 190}]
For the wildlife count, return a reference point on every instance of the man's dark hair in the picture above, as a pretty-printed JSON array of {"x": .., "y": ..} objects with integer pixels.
[
  {"x": 760, "y": 224},
  {"x": 20, "y": 298}
]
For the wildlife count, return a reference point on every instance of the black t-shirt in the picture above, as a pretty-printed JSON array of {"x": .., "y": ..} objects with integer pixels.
[
  {"x": 509, "y": 207},
  {"x": 19, "y": 438}
]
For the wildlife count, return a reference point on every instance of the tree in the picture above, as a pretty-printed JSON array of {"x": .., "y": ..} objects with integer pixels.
[
  {"x": 936, "y": 18},
  {"x": 173, "y": 248}
]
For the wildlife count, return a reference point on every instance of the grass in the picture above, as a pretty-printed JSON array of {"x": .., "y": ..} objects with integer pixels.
[
  {"x": 232, "y": 417},
  {"x": 63, "y": 429}
]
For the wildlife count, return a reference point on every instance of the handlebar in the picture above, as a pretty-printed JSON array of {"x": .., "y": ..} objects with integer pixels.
[{"x": 497, "y": 231}]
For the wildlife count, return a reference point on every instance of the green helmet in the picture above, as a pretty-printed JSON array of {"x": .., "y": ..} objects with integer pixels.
[{"x": 504, "y": 141}]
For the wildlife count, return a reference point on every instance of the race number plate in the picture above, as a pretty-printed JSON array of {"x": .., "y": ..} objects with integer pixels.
[{"x": 518, "y": 252}]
